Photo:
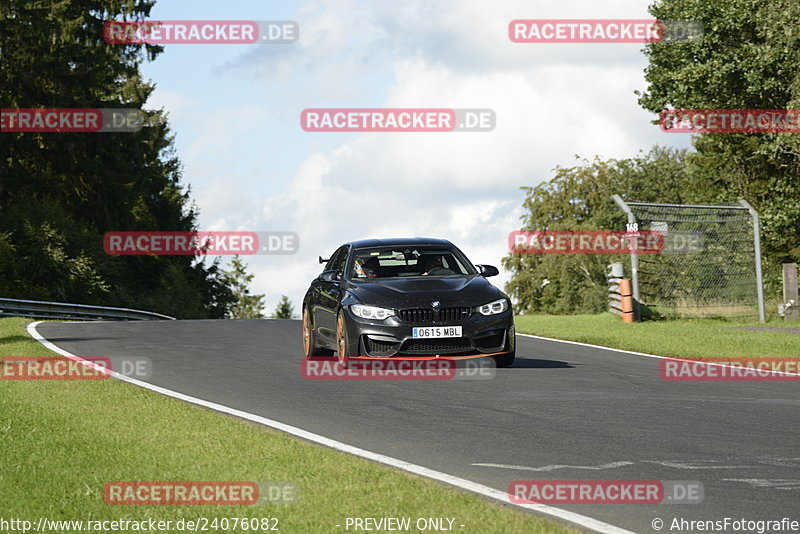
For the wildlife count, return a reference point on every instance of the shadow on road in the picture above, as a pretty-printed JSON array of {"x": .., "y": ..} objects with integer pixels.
[{"x": 525, "y": 363}]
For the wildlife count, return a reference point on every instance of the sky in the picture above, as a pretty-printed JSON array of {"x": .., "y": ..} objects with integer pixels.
[{"x": 235, "y": 111}]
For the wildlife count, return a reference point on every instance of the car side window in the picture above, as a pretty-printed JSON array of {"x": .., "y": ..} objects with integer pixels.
[
  {"x": 338, "y": 259},
  {"x": 332, "y": 260}
]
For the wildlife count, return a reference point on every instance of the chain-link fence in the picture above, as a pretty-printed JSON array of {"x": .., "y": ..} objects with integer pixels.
[{"x": 710, "y": 264}]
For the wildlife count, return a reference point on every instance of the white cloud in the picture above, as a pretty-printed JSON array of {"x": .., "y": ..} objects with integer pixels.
[{"x": 551, "y": 102}]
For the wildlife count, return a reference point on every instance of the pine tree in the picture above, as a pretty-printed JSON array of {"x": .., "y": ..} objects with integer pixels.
[
  {"x": 246, "y": 306},
  {"x": 284, "y": 309}
]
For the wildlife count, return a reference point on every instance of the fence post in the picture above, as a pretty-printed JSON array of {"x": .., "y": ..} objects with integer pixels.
[
  {"x": 790, "y": 303},
  {"x": 634, "y": 257},
  {"x": 757, "y": 243}
]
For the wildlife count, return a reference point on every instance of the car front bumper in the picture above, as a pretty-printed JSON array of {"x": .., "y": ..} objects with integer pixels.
[{"x": 393, "y": 337}]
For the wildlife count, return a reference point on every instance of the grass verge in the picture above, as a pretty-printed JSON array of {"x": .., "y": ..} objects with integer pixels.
[
  {"x": 63, "y": 440},
  {"x": 678, "y": 338}
]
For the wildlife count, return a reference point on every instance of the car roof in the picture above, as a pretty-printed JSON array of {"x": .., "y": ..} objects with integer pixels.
[{"x": 398, "y": 241}]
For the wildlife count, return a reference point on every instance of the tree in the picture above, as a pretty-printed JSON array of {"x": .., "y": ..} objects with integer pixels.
[
  {"x": 284, "y": 309},
  {"x": 579, "y": 198},
  {"x": 749, "y": 58},
  {"x": 60, "y": 192},
  {"x": 246, "y": 306}
]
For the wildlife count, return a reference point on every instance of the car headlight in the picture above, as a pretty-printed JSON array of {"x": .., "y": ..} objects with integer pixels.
[
  {"x": 498, "y": 306},
  {"x": 370, "y": 312}
]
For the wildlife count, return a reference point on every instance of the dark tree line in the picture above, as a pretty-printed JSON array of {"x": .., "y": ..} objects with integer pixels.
[
  {"x": 749, "y": 58},
  {"x": 60, "y": 192}
]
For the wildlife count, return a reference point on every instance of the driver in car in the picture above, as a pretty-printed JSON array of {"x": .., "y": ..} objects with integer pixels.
[
  {"x": 429, "y": 263},
  {"x": 366, "y": 268}
]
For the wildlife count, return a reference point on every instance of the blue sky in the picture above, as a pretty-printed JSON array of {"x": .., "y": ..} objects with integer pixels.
[{"x": 235, "y": 111}]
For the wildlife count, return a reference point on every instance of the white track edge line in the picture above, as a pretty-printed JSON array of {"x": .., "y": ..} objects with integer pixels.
[
  {"x": 595, "y": 346},
  {"x": 682, "y": 358},
  {"x": 571, "y": 517}
]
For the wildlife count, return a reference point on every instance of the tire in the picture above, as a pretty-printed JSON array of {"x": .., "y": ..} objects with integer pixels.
[
  {"x": 310, "y": 348},
  {"x": 341, "y": 340},
  {"x": 505, "y": 360}
]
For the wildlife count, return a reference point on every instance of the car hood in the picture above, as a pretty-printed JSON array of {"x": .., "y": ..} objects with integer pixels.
[{"x": 450, "y": 291}]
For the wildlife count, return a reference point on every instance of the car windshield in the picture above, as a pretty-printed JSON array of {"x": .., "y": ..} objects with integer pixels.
[{"x": 397, "y": 262}]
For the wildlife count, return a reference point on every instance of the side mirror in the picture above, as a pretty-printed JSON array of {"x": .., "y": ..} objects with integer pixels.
[
  {"x": 330, "y": 276},
  {"x": 487, "y": 270},
  {"x": 323, "y": 260}
]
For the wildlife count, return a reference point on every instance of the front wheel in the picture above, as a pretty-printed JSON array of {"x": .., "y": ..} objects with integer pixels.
[
  {"x": 507, "y": 359},
  {"x": 341, "y": 340},
  {"x": 310, "y": 348}
]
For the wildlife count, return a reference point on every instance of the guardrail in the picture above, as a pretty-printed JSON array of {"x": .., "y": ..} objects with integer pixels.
[{"x": 75, "y": 312}]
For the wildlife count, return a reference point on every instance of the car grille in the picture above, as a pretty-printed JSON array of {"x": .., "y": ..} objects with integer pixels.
[
  {"x": 416, "y": 315},
  {"x": 433, "y": 345},
  {"x": 378, "y": 348},
  {"x": 429, "y": 315}
]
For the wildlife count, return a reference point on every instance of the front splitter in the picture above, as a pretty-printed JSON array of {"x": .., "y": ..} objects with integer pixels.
[{"x": 424, "y": 358}]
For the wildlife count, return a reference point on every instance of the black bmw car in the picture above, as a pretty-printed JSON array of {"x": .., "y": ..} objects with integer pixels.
[{"x": 414, "y": 298}]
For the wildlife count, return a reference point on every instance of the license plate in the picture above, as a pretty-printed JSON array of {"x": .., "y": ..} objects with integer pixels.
[{"x": 435, "y": 331}]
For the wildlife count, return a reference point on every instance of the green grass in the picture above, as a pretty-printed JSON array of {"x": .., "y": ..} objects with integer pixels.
[
  {"x": 61, "y": 441},
  {"x": 678, "y": 338}
]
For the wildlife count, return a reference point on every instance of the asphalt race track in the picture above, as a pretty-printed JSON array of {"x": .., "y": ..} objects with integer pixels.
[{"x": 563, "y": 411}]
